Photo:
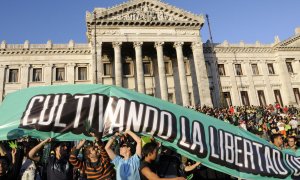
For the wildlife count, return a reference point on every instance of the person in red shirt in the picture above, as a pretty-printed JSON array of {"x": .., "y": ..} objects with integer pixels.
[{"x": 231, "y": 110}]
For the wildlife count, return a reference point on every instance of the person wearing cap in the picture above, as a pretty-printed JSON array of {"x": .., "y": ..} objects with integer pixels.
[
  {"x": 127, "y": 166},
  {"x": 57, "y": 167},
  {"x": 97, "y": 163}
]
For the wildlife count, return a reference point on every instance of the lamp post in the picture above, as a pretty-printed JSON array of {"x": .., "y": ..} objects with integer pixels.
[{"x": 95, "y": 43}]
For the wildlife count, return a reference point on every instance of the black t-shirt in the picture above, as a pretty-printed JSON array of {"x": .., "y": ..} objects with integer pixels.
[
  {"x": 59, "y": 169},
  {"x": 144, "y": 164}
]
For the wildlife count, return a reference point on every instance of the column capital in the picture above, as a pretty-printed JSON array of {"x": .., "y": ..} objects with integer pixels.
[
  {"x": 196, "y": 45},
  {"x": 116, "y": 44},
  {"x": 178, "y": 44},
  {"x": 137, "y": 44},
  {"x": 158, "y": 44}
]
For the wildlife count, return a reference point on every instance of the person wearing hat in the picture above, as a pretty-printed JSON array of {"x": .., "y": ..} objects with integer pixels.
[
  {"x": 57, "y": 167},
  {"x": 127, "y": 166}
]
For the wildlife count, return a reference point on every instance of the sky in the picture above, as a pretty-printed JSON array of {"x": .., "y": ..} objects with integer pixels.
[{"x": 233, "y": 20}]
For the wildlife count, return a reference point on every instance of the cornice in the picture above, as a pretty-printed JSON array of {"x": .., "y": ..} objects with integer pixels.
[
  {"x": 239, "y": 50},
  {"x": 44, "y": 51}
]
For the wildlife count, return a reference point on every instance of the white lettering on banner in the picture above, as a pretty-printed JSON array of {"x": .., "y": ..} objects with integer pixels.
[
  {"x": 183, "y": 139},
  {"x": 42, "y": 116},
  {"x": 163, "y": 123},
  {"x": 59, "y": 112},
  {"x": 27, "y": 113},
  {"x": 192, "y": 141},
  {"x": 268, "y": 160},
  {"x": 79, "y": 108},
  {"x": 134, "y": 118},
  {"x": 236, "y": 152},
  {"x": 248, "y": 152}
]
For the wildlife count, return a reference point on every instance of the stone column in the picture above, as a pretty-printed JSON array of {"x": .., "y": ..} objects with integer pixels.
[
  {"x": 48, "y": 74},
  {"x": 201, "y": 73},
  {"x": 71, "y": 73},
  {"x": 139, "y": 67},
  {"x": 2, "y": 81},
  {"x": 182, "y": 74},
  {"x": 161, "y": 70},
  {"x": 24, "y": 78},
  {"x": 118, "y": 63}
]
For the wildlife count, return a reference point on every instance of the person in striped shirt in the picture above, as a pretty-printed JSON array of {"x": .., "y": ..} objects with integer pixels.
[{"x": 95, "y": 164}]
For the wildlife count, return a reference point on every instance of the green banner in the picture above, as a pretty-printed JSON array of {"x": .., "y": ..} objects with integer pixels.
[{"x": 68, "y": 112}]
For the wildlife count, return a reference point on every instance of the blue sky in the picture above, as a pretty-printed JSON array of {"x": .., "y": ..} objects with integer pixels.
[{"x": 232, "y": 20}]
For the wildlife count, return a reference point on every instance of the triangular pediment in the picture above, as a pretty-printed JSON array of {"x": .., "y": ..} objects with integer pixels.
[
  {"x": 293, "y": 41},
  {"x": 144, "y": 13}
]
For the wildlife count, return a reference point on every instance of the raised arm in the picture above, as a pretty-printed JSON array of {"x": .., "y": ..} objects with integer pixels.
[
  {"x": 138, "y": 141},
  {"x": 73, "y": 156},
  {"x": 33, "y": 151},
  {"x": 191, "y": 167},
  {"x": 108, "y": 149}
]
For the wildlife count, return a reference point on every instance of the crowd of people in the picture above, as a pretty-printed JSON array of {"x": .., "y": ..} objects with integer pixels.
[
  {"x": 266, "y": 122},
  {"x": 126, "y": 156}
]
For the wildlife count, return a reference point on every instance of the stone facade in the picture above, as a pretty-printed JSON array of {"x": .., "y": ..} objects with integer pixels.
[{"x": 155, "y": 48}]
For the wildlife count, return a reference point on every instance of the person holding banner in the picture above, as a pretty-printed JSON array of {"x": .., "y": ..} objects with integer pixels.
[
  {"x": 96, "y": 164},
  {"x": 127, "y": 168},
  {"x": 58, "y": 167},
  {"x": 147, "y": 169},
  {"x": 8, "y": 170}
]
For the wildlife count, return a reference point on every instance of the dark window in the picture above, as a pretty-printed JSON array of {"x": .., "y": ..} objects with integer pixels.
[
  {"x": 271, "y": 68},
  {"x": 107, "y": 69},
  {"x": 127, "y": 69},
  {"x": 147, "y": 68},
  {"x": 261, "y": 98},
  {"x": 60, "y": 74},
  {"x": 245, "y": 98},
  {"x": 289, "y": 67},
  {"x": 297, "y": 95},
  {"x": 227, "y": 98},
  {"x": 36, "y": 74},
  {"x": 238, "y": 69},
  {"x": 221, "y": 69},
  {"x": 278, "y": 97},
  {"x": 82, "y": 73},
  {"x": 255, "y": 69},
  {"x": 13, "y": 75}
]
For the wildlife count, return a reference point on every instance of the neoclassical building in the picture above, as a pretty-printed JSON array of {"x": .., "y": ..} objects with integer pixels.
[{"x": 154, "y": 48}]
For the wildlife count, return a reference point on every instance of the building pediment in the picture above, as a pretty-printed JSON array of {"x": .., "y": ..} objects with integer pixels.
[
  {"x": 144, "y": 13},
  {"x": 289, "y": 44}
]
